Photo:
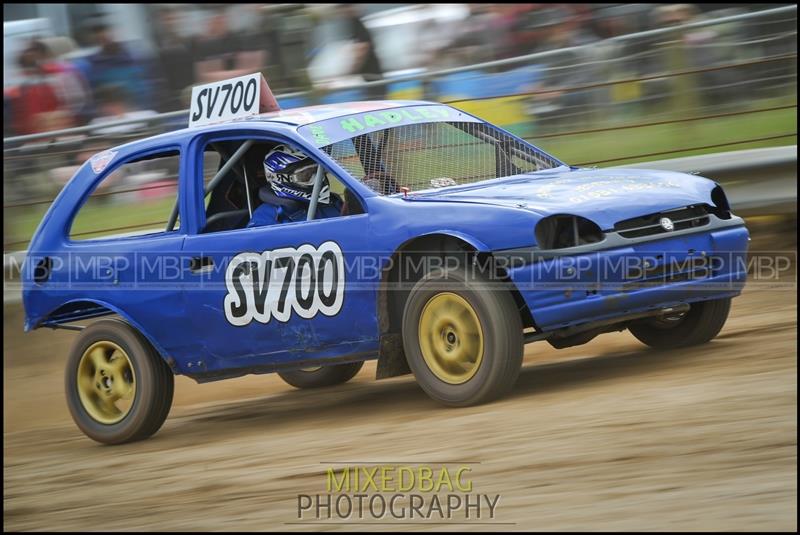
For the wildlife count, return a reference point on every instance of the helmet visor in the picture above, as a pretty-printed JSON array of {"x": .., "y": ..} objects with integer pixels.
[{"x": 304, "y": 175}]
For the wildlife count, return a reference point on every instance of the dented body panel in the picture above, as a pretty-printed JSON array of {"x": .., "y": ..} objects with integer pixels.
[{"x": 571, "y": 290}]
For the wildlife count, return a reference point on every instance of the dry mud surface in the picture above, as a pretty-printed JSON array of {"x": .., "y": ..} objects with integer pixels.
[{"x": 605, "y": 436}]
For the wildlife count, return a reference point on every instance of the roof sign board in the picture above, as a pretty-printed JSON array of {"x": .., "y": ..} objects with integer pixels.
[{"x": 235, "y": 98}]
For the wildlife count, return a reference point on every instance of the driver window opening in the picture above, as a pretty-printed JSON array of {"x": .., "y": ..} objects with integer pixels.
[{"x": 271, "y": 184}]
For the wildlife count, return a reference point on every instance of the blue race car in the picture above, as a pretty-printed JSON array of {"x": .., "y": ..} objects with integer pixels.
[{"x": 408, "y": 232}]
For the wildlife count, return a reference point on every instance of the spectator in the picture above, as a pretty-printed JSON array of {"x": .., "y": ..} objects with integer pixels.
[
  {"x": 261, "y": 34},
  {"x": 556, "y": 97},
  {"x": 72, "y": 88},
  {"x": 115, "y": 64},
  {"x": 366, "y": 61},
  {"x": 8, "y": 129},
  {"x": 479, "y": 39},
  {"x": 113, "y": 106},
  {"x": 174, "y": 59},
  {"x": 220, "y": 54},
  {"x": 513, "y": 35},
  {"x": 35, "y": 103}
]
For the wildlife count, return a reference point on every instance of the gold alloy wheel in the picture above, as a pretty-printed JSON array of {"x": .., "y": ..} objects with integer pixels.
[
  {"x": 106, "y": 382},
  {"x": 451, "y": 338}
]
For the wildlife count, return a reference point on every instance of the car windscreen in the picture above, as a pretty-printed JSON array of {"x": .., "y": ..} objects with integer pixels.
[{"x": 428, "y": 155}]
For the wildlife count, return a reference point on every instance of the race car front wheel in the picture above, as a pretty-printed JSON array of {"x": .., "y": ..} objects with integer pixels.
[
  {"x": 702, "y": 322},
  {"x": 320, "y": 376},
  {"x": 462, "y": 337},
  {"x": 118, "y": 387}
]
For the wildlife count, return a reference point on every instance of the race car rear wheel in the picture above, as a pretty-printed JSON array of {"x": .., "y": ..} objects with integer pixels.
[
  {"x": 320, "y": 376},
  {"x": 118, "y": 387},
  {"x": 701, "y": 323},
  {"x": 462, "y": 337}
]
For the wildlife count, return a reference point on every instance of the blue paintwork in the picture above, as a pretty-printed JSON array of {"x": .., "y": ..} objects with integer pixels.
[
  {"x": 603, "y": 195},
  {"x": 185, "y": 322},
  {"x": 558, "y": 301}
]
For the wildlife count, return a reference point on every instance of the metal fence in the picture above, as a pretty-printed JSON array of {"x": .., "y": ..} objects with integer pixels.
[{"x": 720, "y": 84}]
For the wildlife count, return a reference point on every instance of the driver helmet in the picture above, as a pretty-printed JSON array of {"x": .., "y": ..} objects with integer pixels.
[{"x": 290, "y": 174}]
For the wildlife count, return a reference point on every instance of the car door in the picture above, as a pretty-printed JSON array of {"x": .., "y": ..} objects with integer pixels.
[{"x": 288, "y": 292}]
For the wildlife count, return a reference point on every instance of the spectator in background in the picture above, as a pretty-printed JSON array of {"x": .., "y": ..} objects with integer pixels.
[
  {"x": 115, "y": 64},
  {"x": 8, "y": 129},
  {"x": 513, "y": 35},
  {"x": 699, "y": 49},
  {"x": 261, "y": 34},
  {"x": 631, "y": 57},
  {"x": 113, "y": 106},
  {"x": 366, "y": 61},
  {"x": 557, "y": 98},
  {"x": 72, "y": 88},
  {"x": 221, "y": 54},
  {"x": 174, "y": 59},
  {"x": 35, "y": 103},
  {"x": 479, "y": 39}
]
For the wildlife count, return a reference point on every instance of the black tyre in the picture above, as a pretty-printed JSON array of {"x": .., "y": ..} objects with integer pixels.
[
  {"x": 322, "y": 375},
  {"x": 701, "y": 323},
  {"x": 462, "y": 337},
  {"x": 118, "y": 388}
]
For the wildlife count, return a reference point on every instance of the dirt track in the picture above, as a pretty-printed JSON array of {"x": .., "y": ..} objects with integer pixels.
[{"x": 604, "y": 436}]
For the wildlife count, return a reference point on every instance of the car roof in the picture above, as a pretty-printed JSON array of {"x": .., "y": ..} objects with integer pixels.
[
  {"x": 288, "y": 119},
  {"x": 312, "y": 114}
]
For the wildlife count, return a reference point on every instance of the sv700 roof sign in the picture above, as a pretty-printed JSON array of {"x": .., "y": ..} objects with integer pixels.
[{"x": 222, "y": 101}]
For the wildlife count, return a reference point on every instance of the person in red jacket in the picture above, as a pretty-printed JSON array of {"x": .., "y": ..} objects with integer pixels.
[{"x": 35, "y": 104}]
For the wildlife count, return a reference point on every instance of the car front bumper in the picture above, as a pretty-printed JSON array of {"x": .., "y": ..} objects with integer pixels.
[{"x": 650, "y": 274}]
